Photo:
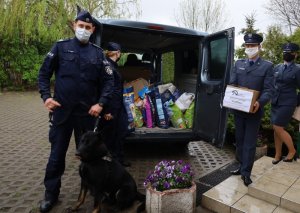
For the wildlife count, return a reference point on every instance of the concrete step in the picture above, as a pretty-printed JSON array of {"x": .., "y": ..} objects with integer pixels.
[{"x": 275, "y": 188}]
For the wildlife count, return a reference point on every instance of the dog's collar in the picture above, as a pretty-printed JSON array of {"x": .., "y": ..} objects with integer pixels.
[{"x": 107, "y": 158}]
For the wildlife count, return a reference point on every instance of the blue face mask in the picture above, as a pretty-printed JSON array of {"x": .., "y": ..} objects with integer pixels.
[{"x": 82, "y": 34}]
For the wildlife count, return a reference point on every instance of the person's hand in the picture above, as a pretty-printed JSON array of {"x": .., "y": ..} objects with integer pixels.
[
  {"x": 255, "y": 107},
  {"x": 95, "y": 110},
  {"x": 51, "y": 104},
  {"x": 108, "y": 117}
]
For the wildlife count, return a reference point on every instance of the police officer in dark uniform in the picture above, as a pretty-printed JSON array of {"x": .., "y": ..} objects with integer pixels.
[
  {"x": 284, "y": 101},
  {"x": 252, "y": 73},
  {"x": 115, "y": 120},
  {"x": 83, "y": 85}
]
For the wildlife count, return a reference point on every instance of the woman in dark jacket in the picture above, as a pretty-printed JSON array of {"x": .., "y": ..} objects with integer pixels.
[
  {"x": 284, "y": 101},
  {"x": 115, "y": 121}
]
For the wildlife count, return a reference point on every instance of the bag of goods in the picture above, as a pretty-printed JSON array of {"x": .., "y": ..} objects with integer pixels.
[
  {"x": 185, "y": 100},
  {"x": 166, "y": 96},
  {"x": 189, "y": 116},
  {"x": 138, "y": 119},
  {"x": 161, "y": 114},
  {"x": 149, "y": 114},
  {"x": 177, "y": 119},
  {"x": 128, "y": 101},
  {"x": 137, "y": 85},
  {"x": 176, "y": 94}
]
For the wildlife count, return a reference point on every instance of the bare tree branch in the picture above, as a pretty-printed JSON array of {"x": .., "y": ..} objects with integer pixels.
[
  {"x": 205, "y": 15},
  {"x": 286, "y": 11}
]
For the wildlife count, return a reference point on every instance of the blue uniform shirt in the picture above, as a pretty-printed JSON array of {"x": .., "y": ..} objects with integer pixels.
[
  {"x": 82, "y": 74},
  {"x": 286, "y": 82},
  {"x": 257, "y": 77}
]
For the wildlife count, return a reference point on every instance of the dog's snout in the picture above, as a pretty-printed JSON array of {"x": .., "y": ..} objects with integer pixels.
[{"x": 78, "y": 155}]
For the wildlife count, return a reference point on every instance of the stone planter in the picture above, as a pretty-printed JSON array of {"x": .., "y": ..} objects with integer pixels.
[
  {"x": 261, "y": 151},
  {"x": 171, "y": 201}
]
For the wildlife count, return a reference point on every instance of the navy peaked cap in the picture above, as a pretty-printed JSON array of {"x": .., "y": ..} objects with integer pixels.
[
  {"x": 112, "y": 46},
  {"x": 290, "y": 47},
  {"x": 253, "y": 38},
  {"x": 85, "y": 16}
]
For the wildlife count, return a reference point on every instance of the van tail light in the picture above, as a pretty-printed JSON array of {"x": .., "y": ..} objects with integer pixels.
[{"x": 155, "y": 27}]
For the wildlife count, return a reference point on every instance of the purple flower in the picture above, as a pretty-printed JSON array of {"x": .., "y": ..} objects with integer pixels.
[
  {"x": 170, "y": 175},
  {"x": 166, "y": 185}
]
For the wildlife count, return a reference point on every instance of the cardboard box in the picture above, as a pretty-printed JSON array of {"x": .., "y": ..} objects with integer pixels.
[
  {"x": 137, "y": 84},
  {"x": 239, "y": 98},
  {"x": 296, "y": 114}
]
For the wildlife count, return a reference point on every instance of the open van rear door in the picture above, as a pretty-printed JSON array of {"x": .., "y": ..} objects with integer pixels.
[{"x": 217, "y": 61}]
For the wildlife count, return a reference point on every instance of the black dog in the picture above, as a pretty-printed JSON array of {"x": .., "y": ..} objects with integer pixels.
[{"x": 104, "y": 176}]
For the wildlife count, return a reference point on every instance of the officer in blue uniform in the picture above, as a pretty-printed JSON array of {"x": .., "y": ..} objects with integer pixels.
[
  {"x": 252, "y": 73},
  {"x": 83, "y": 85},
  {"x": 284, "y": 101},
  {"x": 115, "y": 120}
]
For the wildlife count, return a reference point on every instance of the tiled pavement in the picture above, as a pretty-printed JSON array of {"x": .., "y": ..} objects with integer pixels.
[{"x": 24, "y": 150}]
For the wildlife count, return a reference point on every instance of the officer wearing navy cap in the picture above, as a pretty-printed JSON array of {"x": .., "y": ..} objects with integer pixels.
[
  {"x": 115, "y": 120},
  {"x": 83, "y": 85},
  {"x": 256, "y": 74},
  {"x": 284, "y": 101}
]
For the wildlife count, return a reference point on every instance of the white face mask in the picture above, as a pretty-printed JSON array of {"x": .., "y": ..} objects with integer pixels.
[
  {"x": 82, "y": 34},
  {"x": 251, "y": 51}
]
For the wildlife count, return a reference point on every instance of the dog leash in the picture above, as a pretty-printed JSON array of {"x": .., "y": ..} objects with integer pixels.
[{"x": 97, "y": 124}]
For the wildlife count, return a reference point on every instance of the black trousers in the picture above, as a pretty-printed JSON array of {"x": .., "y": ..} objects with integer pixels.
[
  {"x": 61, "y": 129},
  {"x": 114, "y": 133}
]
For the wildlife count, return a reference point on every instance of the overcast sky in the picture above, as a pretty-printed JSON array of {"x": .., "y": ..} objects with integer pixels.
[{"x": 162, "y": 11}]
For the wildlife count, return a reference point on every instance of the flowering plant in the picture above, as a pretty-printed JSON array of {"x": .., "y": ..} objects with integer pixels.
[{"x": 170, "y": 175}]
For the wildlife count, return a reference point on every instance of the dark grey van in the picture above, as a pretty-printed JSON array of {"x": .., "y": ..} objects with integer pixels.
[{"x": 201, "y": 64}]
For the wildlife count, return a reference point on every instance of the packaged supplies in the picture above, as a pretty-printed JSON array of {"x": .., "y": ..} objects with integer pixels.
[
  {"x": 128, "y": 102},
  {"x": 169, "y": 86},
  {"x": 177, "y": 119},
  {"x": 176, "y": 94},
  {"x": 166, "y": 96},
  {"x": 161, "y": 113},
  {"x": 185, "y": 100},
  {"x": 142, "y": 92},
  {"x": 137, "y": 85},
  {"x": 138, "y": 119},
  {"x": 149, "y": 121},
  {"x": 189, "y": 116}
]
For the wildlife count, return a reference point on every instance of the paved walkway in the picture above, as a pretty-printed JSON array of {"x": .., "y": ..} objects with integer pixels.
[{"x": 24, "y": 150}]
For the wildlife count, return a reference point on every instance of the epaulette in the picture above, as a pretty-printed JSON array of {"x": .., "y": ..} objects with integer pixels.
[
  {"x": 268, "y": 61},
  {"x": 96, "y": 46},
  {"x": 63, "y": 40}
]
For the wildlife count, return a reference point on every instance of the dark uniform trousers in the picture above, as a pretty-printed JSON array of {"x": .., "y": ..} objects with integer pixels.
[
  {"x": 246, "y": 131},
  {"x": 114, "y": 133},
  {"x": 59, "y": 136}
]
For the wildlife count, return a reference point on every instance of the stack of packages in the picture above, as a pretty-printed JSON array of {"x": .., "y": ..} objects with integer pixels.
[{"x": 162, "y": 106}]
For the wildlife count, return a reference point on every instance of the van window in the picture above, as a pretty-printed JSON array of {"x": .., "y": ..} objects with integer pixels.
[
  {"x": 217, "y": 59},
  {"x": 190, "y": 60},
  {"x": 168, "y": 65}
]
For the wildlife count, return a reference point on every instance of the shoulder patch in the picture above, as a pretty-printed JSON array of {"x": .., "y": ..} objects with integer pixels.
[{"x": 108, "y": 70}]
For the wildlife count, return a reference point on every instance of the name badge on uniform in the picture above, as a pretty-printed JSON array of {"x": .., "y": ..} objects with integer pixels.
[{"x": 241, "y": 68}]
